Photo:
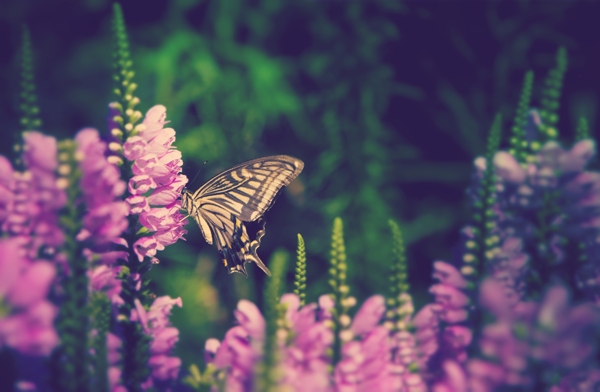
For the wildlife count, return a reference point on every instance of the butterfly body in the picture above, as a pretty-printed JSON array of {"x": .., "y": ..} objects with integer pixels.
[{"x": 240, "y": 194}]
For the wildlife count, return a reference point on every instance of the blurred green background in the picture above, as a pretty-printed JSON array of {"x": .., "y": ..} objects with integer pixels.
[{"x": 386, "y": 102}]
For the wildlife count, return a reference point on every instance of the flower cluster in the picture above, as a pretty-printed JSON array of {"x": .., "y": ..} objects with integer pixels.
[
  {"x": 28, "y": 324},
  {"x": 106, "y": 217},
  {"x": 156, "y": 183},
  {"x": 156, "y": 324},
  {"x": 30, "y": 203},
  {"x": 544, "y": 228},
  {"x": 305, "y": 342}
]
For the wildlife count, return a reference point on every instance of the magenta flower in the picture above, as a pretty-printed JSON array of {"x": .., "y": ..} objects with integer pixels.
[
  {"x": 366, "y": 363},
  {"x": 24, "y": 285},
  {"x": 29, "y": 205},
  {"x": 106, "y": 217},
  {"x": 241, "y": 348},
  {"x": 305, "y": 361},
  {"x": 36, "y": 198},
  {"x": 156, "y": 184},
  {"x": 156, "y": 324},
  {"x": 114, "y": 345},
  {"x": 305, "y": 340},
  {"x": 558, "y": 336},
  {"x": 407, "y": 355}
]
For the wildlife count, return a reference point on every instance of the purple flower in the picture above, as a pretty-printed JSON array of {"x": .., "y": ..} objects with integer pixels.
[
  {"x": 104, "y": 278},
  {"x": 305, "y": 339},
  {"x": 156, "y": 324},
  {"x": 114, "y": 345},
  {"x": 366, "y": 363},
  {"x": 555, "y": 334},
  {"x": 24, "y": 285},
  {"x": 32, "y": 209},
  {"x": 101, "y": 185},
  {"x": 241, "y": 348},
  {"x": 29, "y": 204},
  {"x": 156, "y": 184},
  {"x": 305, "y": 361}
]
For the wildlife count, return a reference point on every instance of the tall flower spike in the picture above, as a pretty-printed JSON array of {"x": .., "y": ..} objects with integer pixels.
[
  {"x": 403, "y": 345},
  {"x": 341, "y": 290},
  {"x": 583, "y": 131},
  {"x": 124, "y": 117},
  {"x": 399, "y": 286},
  {"x": 268, "y": 372},
  {"x": 73, "y": 324},
  {"x": 100, "y": 305},
  {"x": 300, "y": 277},
  {"x": 30, "y": 112},
  {"x": 551, "y": 96},
  {"x": 479, "y": 248},
  {"x": 518, "y": 141}
]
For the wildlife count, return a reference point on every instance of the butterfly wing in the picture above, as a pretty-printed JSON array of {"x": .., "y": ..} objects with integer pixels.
[
  {"x": 249, "y": 189},
  {"x": 241, "y": 194}
]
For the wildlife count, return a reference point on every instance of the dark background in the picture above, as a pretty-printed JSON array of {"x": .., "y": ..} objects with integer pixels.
[{"x": 387, "y": 103}]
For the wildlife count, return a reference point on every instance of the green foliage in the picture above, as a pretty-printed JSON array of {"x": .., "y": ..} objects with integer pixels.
[
  {"x": 582, "y": 131},
  {"x": 267, "y": 371},
  {"x": 300, "y": 276},
  {"x": 550, "y": 101},
  {"x": 30, "y": 112},
  {"x": 518, "y": 142},
  {"x": 100, "y": 312},
  {"x": 200, "y": 382}
]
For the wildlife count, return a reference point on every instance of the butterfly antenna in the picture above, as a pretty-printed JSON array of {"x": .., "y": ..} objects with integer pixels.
[{"x": 196, "y": 176}]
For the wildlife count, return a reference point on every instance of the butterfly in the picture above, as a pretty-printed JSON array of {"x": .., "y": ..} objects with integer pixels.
[{"x": 237, "y": 195}]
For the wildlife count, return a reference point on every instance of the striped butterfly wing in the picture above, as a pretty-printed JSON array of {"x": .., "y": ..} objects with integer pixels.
[{"x": 240, "y": 194}]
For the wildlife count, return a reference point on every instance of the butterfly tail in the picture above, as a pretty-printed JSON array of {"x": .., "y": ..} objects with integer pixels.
[
  {"x": 253, "y": 247},
  {"x": 239, "y": 250}
]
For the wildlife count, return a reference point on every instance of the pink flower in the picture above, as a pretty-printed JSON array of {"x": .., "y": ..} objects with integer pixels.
[
  {"x": 104, "y": 278},
  {"x": 156, "y": 184},
  {"x": 157, "y": 325},
  {"x": 31, "y": 331},
  {"x": 24, "y": 284}
]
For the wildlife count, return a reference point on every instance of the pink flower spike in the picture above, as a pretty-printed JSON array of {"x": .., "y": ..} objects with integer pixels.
[
  {"x": 137, "y": 204},
  {"x": 33, "y": 285},
  {"x": 31, "y": 332},
  {"x": 157, "y": 219},
  {"x": 169, "y": 237},
  {"x": 105, "y": 278},
  {"x": 134, "y": 147},
  {"x": 153, "y": 121},
  {"x": 147, "y": 164},
  {"x": 164, "y": 340},
  {"x": 138, "y": 185},
  {"x": 369, "y": 315},
  {"x": 161, "y": 144},
  {"x": 164, "y": 367},
  {"x": 165, "y": 195},
  {"x": 210, "y": 349},
  {"x": 249, "y": 317},
  {"x": 11, "y": 264},
  {"x": 145, "y": 246},
  {"x": 40, "y": 151},
  {"x": 448, "y": 274},
  {"x": 7, "y": 178},
  {"x": 326, "y": 303},
  {"x": 139, "y": 314}
]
